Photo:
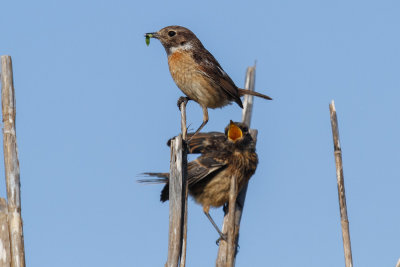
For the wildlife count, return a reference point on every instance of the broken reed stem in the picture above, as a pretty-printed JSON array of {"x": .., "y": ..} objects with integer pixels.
[
  {"x": 178, "y": 198},
  {"x": 183, "y": 120},
  {"x": 185, "y": 185},
  {"x": 230, "y": 257},
  {"x": 5, "y": 252},
  {"x": 248, "y": 99},
  {"x": 11, "y": 164},
  {"x": 175, "y": 202},
  {"x": 231, "y": 225},
  {"x": 341, "y": 190}
]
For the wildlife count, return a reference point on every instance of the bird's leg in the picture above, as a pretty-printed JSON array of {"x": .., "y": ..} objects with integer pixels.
[
  {"x": 205, "y": 120},
  {"x": 225, "y": 208},
  {"x": 221, "y": 235},
  {"x": 181, "y": 100}
]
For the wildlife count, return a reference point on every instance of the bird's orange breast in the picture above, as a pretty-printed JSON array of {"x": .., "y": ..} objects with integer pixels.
[
  {"x": 174, "y": 58},
  {"x": 182, "y": 67},
  {"x": 193, "y": 81}
]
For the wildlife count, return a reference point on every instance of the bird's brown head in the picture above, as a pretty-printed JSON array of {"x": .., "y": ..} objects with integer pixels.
[
  {"x": 175, "y": 38},
  {"x": 237, "y": 132}
]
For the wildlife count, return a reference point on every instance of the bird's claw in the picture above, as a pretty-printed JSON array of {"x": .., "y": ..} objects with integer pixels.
[
  {"x": 221, "y": 237},
  {"x": 182, "y": 99}
]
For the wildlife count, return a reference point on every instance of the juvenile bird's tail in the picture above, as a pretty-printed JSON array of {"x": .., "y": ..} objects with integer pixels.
[
  {"x": 248, "y": 92},
  {"x": 162, "y": 178}
]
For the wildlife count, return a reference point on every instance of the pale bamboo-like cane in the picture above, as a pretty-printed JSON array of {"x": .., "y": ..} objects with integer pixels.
[
  {"x": 5, "y": 252},
  {"x": 184, "y": 184},
  {"x": 341, "y": 192},
  {"x": 178, "y": 192},
  {"x": 11, "y": 164},
  {"x": 227, "y": 250}
]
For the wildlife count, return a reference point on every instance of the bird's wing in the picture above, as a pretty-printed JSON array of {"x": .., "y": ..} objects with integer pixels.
[
  {"x": 210, "y": 68},
  {"x": 203, "y": 142},
  {"x": 202, "y": 167}
]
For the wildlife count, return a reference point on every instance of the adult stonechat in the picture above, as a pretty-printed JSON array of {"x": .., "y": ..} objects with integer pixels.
[
  {"x": 223, "y": 155},
  {"x": 197, "y": 73}
]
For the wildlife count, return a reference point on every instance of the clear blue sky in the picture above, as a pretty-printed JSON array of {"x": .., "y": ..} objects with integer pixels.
[{"x": 96, "y": 105}]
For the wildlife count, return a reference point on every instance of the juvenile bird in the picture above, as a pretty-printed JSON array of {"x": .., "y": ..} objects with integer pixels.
[
  {"x": 197, "y": 73},
  {"x": 223, "y": 155}
]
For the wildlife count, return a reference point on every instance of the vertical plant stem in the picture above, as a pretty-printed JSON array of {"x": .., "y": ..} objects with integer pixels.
[
  {"x": 11, "y": 163},
  {"x": 227, "y": 250},
  {"x": 230, "y": 257},
  {"x": 184, "y": 184},
  {"x": 175, "y": 203},
  {"x": 5, "y": 253},
  {"x": 341, "y": 190},
  {"x": 178, "y": 192}
]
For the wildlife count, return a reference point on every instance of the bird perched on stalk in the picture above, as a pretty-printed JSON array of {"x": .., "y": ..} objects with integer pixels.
[
  {"x": 196, "y": 72},
  {"x": 223, "y": 156}
]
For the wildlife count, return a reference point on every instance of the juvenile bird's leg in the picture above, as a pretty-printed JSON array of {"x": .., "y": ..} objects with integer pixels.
[
  {"x": 226, "y": 205},
  {"x": 221, "y": 235},
  {"x": 205, "y": 120},
  {"x": 181, "y": 100},
  {"x": 225, "y": 208}
]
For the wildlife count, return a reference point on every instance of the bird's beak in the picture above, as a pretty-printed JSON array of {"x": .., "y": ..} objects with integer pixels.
[
  {"x": 234, "y": 132},
  {"x": 152, "y": 35}
]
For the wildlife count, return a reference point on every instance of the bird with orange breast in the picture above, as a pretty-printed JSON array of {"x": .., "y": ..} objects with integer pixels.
[{"x": 197, "y": 73}]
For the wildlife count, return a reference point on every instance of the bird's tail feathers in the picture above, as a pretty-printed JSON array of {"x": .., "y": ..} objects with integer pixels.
[
  {"x": 162, "y": 178},
  {"x": 248, "y": 92}
]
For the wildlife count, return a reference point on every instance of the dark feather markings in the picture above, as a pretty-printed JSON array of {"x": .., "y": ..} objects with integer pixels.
[
  {"x": 198, "y": 170},
  {"x": 213, "y": 70},
  {"x": 163, "y": 175},
  {"x": 202, "y": 167},
  {"x": 203, "y": 142},
  {"x": 162, "y": 179}
]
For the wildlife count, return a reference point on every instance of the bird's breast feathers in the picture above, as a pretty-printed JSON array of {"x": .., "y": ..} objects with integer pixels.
[{"x": 194, "y": 80}]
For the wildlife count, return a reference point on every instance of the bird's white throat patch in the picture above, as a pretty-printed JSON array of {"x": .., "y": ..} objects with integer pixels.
[{"x": 186, "y": 46}]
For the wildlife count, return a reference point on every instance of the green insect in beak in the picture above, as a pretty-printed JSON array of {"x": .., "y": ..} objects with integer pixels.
[{"x": 148, "y": 36}]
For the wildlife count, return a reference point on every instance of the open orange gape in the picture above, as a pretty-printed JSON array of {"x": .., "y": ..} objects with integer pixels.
[{"x": 234, "y": 132}]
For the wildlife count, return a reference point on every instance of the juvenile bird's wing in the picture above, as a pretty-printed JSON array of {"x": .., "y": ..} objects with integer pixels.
[
  {"x": 210, "y": 68},
  {"x": 203, "y": 167},
  {"x": 203, "y": 142}
]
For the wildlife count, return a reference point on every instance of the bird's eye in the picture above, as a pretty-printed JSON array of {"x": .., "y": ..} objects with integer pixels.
[
  {"x": 171, "y": 33},
  {"x": 245, "y": 129}
]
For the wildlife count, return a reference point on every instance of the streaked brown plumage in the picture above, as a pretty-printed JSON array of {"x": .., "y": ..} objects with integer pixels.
[
  {"x": 197, "y": 73},
  {"x": 222, "y": 156}
]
